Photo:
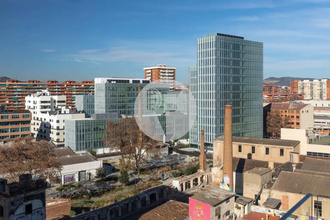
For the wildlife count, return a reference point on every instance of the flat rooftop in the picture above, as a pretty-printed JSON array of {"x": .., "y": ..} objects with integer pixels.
[
  {"x": 212, "y": 195},
  {"x": 324, "y": 140},
  {"x": 263, "y": 141}
]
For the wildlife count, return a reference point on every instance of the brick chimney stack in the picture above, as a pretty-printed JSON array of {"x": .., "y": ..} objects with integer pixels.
[
  {"x": 202, "y": 156},
  {"x": 228, "y": 145}
]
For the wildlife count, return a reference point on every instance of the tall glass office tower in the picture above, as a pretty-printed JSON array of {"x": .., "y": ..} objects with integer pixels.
[{"x": 229, "y": 70}]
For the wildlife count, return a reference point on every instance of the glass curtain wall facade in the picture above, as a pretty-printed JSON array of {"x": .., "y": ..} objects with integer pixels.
[
  {"x": 85, "y": 103},
  {"x": 229, "y": 71},
  {"x": 83, "y": 134},
  {"x": 117, "y": 95}
]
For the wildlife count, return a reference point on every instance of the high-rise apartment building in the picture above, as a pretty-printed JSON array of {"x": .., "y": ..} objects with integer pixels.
[
  {"x": 13, "y": 92},
  {"x": 229, "y": 70},
  {"x": 312, "y": 90},
  {"x": 117, "y": 95},
  {"x": 161, "y": 73},
  {"x": 48, "y": 116}
]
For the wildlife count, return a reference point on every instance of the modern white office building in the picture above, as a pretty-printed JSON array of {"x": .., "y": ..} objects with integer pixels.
[{"x": 48, "y": 116}]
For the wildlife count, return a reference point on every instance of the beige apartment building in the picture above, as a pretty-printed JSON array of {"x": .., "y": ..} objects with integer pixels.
[{"x": 277, "y": 151}]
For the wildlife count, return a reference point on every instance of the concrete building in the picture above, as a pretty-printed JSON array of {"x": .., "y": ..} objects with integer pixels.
[
  {"x": 254, "y": 181},
  {"x": 13, "y": 92},
  {"x": 312, "y": 90},
  {"x": 300, "y": 116},
  {"x": 14, "y": 124},
  {"x": 211, "y": 203},
  {"x": 229, "y": 70},
  {"x": 161, "y": 73},
  {"x": 264, "y": 149},
  {"x": 23, "y": 200},
  {"x": 85, "y": 103},
  {"x": 48, "y": 116},
  {"x": 88, "y": 133},
  {"x": 77, "y": 167},
  {"x": 117, "y": 95}
]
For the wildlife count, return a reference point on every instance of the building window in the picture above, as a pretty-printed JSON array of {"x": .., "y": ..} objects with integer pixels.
[
  {"x": 239, "y": 148},
  {"x": 253, "y": 149},
  {"x": 228, "y": 213},
  {"x": 267, "y": 151},
  {"x": 26, "y": 116},
  {"x": 15, "y": 116},
  {"x": 28, "y": 209},
  {"x": 25, "y": 129},
  {"x": 297, "y": 117},
  {"x": 57, "y": 121},
  {"x": 1, "y": 211},
  {"x": 218, "y": 212},
  {"x": 281, "y": 152},
  {"x": 297, "y": 123},
  {"x": 4, "y": 117},
  {"x": 318, "y": 208}
]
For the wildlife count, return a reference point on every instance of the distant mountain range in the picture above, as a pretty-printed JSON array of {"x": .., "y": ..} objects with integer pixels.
[
  {"x": 4, "y": 78},
  {"x": 283, "y": 81}
]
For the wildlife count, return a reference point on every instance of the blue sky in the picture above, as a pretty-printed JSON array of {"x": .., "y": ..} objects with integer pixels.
[{"x": 83, "y": 39}]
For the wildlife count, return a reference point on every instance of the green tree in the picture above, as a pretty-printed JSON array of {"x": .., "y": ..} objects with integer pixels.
[
  {"x": 123, "y": 177},
  {"x": 100, "y": 173}
]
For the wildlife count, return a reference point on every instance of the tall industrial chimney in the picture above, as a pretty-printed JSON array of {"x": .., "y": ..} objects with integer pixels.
[
  {"x": 202, "y": 156},
  {"x": 228, "y": 147}
]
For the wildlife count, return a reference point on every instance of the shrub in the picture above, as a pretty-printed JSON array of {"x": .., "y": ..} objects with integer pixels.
[
  {"x": 100, "y": 173},
  {"x": 177, "y": 174},
  {"x": 72, "y": 213},
  {"x": 123, "y": 177}
]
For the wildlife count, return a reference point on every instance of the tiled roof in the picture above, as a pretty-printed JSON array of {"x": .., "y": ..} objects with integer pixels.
[
  {"x": 316, "y": 165},
  {"x": 303, "y": 183},
  {"x": 170, "y": 210},
  {"x": 264, "y": 141},
  {"x": 241, "y": 165},
  {"x": 259, "y": 216},
  {"x": 287, "y": 106},
  {"x": 64, "y": 151},
  {"x": 77, "y": 158}
]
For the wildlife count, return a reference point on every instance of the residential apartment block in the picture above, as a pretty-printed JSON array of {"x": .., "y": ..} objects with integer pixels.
[
  {"x": 14, "y": 124},
  {"x": 48, "y": 116},
  {"x": 229, "y": 70},
  {"x": 13, "y": 92},
  {"x": 162, "y": 73},
  {"x": 275, "y": 93},
  {"x": 300, "y": 115},
  {"x": 312, "y": 90}
]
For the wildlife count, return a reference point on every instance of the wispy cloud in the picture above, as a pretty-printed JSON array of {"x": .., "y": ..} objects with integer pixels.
[
  {"x": 78, "y": 60},
  {"x": 47, "y": 50},
  {"x": 90, "y": 51},
  {"x": 246, "y": 18}
]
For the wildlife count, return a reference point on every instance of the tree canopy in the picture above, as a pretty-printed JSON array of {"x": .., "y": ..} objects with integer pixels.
[{"x": 25, "y": 155}]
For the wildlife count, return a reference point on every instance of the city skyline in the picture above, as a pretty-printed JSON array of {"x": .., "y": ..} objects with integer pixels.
[{"x": 81, "y": 40}]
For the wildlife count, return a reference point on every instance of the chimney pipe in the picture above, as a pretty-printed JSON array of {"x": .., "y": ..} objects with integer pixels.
[
  {"x": 228, "y": 146},
  {"x": 202, "y": 156}
]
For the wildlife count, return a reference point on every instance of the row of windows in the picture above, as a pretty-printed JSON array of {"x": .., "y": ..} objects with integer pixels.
[
  {"x": 253, "y": 150},
  {"x": 14, "y": 116},
  {"x": 318, "y": 154},
  {"x": 6, "y": 130},
  {"x": 14, "y": 123}
]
